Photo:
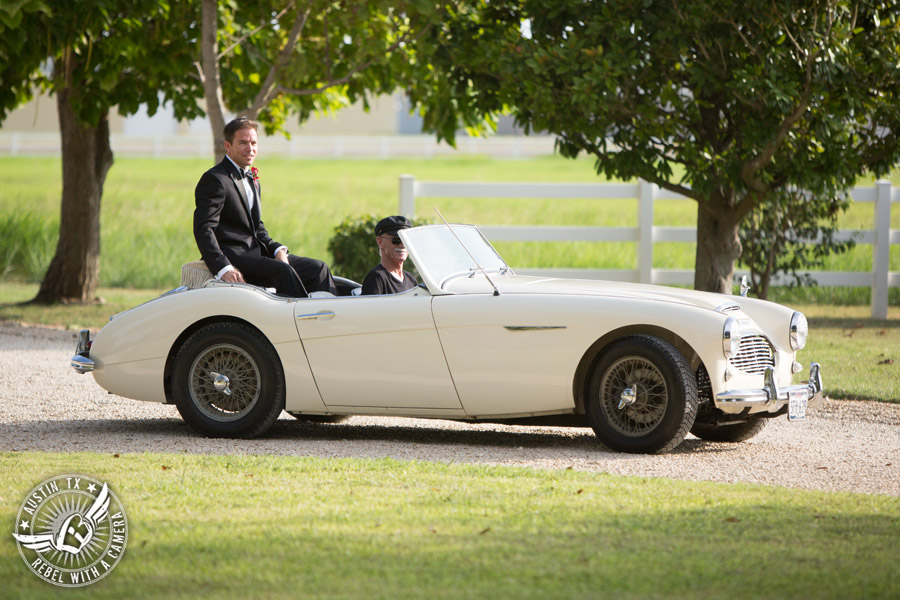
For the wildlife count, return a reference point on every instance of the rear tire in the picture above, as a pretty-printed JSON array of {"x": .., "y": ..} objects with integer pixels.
[
  {"x": 641, "y": 396},
  {"x": 228, "y": 381}
]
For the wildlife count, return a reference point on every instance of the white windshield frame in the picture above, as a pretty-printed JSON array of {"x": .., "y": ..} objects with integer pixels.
[{"x": 441, "y": 255}]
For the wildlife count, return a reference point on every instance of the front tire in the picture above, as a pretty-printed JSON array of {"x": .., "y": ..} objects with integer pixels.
[
  {"x": 730, "y": 432},
  {"x": 319, "y": 419},
  {"x": 228, "y": 381},
  {"x": 641, "y": 396}
]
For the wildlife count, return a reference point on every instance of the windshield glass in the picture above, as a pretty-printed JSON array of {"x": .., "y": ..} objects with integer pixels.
[{"x": 440, "y": 255}]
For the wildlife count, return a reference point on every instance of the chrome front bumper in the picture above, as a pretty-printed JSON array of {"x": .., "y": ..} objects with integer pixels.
[
  {"x": 81, "y": 361},
  {"x": 770, "y": 395}
]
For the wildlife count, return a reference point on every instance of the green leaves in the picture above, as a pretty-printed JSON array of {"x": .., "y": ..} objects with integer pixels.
[
  {"x": 736, "y": 99},
  {"x": 107, "y": 52},
  {"x": 13, "y": 11}
]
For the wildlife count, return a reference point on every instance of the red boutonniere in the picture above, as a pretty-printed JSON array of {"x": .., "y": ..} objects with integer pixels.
[{"x": 254, "y": 172}]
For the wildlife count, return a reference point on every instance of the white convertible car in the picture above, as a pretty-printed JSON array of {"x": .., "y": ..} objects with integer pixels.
[{"x": 642, "y": 365}]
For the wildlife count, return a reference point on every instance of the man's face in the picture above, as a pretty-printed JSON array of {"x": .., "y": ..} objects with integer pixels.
[
  {"x": 242, "y": 149},
  {"x": 395, "y": 253}
]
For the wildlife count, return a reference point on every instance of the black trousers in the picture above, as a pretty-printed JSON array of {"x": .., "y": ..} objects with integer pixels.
[{"x": 295, "y": 278}]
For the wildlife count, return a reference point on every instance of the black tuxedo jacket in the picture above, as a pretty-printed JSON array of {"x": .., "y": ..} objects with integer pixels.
[{"x": 226, "y": 230}]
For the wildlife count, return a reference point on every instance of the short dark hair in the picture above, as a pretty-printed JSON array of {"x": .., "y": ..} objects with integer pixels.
[{"x": 236, "y": 125}]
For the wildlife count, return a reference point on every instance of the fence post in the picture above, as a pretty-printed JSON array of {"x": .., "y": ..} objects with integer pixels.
[
  {"x": 881, "y": 249},
  {"x": 645, "y": 231},
  {"x": 407, "y": 204}
]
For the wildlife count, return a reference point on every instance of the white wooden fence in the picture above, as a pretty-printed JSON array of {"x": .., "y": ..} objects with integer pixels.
[{"x": 880, "y": 237}]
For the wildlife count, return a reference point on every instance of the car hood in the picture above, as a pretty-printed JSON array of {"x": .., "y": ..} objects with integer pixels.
[{"x": 518, "y": 284}]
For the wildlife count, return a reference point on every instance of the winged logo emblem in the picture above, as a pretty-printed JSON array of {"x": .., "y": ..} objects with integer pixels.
[{"x": 76, "y": 531}]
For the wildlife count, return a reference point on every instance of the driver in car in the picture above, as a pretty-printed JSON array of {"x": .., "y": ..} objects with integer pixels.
[{"x": 389, "y": 277}]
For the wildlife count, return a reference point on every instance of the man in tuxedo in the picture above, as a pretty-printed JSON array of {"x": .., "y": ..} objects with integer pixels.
[{"x": 231, "y": 236}]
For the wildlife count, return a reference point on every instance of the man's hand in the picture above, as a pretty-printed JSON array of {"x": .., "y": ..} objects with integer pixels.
[
  {"x": 281, "y": 255},
  {"x": 233, "y": 276}
]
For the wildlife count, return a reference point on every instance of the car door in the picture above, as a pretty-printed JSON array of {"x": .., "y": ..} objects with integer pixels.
[
  {"x": 511, "y": 354},
  {"x": 378, "y": 353}
]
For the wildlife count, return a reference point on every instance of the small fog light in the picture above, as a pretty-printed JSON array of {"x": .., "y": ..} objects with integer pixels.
[
  {"x": 796, "y": 367},
  {"x": 728, "y": 374}
]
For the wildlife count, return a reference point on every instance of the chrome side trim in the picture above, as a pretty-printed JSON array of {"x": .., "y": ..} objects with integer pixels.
[{"x": 532, "y": 327}]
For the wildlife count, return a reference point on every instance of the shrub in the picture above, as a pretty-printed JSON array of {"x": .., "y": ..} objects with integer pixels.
[
  {"x": 353, "y": 249},
  {"x": 793, "y": 234}
]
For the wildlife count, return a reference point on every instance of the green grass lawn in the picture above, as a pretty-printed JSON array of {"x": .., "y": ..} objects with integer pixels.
[{"x": 275, "y": 527}]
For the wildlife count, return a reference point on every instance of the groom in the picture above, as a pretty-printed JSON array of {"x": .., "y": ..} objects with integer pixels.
[{"x": 232, "y": 239}]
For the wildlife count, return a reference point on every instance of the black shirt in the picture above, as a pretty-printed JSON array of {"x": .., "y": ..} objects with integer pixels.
[{"x": 379, "y": 281}]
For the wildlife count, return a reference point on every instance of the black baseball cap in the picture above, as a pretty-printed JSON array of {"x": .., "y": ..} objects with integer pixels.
[{"x": 392, "y": 225}]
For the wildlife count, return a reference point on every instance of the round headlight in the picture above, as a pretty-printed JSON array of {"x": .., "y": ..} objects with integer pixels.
[
  {"x": 799, "y": 330},
  {"x": 731, "y": 337}
]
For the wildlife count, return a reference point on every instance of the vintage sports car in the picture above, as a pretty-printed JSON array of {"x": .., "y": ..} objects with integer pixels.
[{"x": 642, "y": 365}]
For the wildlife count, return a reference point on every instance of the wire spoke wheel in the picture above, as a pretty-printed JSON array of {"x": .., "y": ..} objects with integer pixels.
[
  {"x": 647, "y": 384},
  {"x": 641, "y": 395},
  {"x": 224, "y": 382},
  {"x": 227, "y": 381}
]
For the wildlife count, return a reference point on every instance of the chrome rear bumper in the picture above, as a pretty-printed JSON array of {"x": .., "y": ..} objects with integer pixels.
[
  {"x": 770, "y": 395},
  {"x": 81, "y": 362}
]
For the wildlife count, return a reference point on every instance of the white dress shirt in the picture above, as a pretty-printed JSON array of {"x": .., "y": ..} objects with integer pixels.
[{"x": 249, "y": 190}]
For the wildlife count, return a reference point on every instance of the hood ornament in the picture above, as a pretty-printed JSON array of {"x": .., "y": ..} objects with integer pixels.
[{"x": 745, "y": 286}]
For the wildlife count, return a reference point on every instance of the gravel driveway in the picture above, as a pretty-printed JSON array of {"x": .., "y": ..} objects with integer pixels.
[{"x": 45, "y": 406}]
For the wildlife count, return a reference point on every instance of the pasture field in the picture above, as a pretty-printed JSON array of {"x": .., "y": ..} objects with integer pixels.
[
  {"x": 148, "y": 206},
  {"x": 288, "y": 527}
]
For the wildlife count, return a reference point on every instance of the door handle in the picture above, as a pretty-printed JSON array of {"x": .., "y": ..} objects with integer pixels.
[{"x": 325, "y": 315}]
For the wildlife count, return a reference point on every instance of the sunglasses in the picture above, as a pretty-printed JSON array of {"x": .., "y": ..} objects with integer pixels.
[{"x": 395, "y": 240}]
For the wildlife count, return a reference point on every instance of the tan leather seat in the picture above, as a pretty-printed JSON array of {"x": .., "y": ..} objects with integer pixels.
[{"x": 195, "y": 274}]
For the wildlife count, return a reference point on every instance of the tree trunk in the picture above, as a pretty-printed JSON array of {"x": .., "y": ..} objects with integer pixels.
[
  {"x": 74, "y": 272},
  {"x": 718, "y": 248},
  {"x": 212, "y": 88}
]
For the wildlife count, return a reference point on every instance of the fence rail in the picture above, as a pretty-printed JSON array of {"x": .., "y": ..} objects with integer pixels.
[{"x": 645, "y": 234}]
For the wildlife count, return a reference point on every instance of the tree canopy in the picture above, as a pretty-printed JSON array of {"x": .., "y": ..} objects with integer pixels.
[
  {"x": 270, "y": 59},
  {"x": 121, "y": 53},
  {"x": 91, "y": 57},
  {"x": 273, "y": 61},
  {"x": 726, "y": 101}
]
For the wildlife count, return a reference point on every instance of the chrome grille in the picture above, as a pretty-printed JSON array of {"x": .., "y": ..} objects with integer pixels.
[{"x": 754, "y": 355}]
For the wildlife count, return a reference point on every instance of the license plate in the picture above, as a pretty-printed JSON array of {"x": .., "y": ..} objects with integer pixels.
[{"x": 797, "y": 405}]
